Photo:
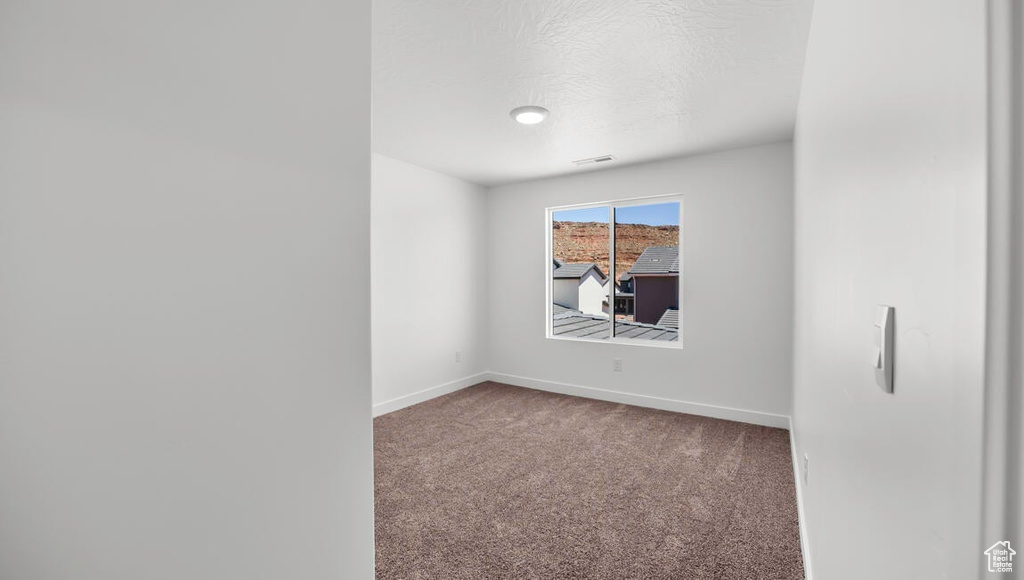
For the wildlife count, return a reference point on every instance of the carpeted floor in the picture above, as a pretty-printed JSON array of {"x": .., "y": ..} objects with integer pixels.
[{"x": 496, "y": 481}]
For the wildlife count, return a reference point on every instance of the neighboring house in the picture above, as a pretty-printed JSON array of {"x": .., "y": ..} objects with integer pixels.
[
  {"x": 655, "y": 280},
  {"x": 604, "y": 301},
  {"x": 624, "y": 294},
  {"x": 579, "y": 287}
]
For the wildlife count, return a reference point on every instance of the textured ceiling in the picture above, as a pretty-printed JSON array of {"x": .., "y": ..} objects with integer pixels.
[{"x": 637, "y": 79}]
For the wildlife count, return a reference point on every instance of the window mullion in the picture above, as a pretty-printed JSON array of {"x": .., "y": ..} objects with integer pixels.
[{"x": 611, "y": 272}]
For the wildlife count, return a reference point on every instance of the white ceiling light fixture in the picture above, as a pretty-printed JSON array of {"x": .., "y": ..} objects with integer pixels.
[{"x": 529, "y": 115}]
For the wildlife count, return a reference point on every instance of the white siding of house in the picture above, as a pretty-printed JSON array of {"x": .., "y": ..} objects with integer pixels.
[
  {"x": 592, "y": 293},
  {"x": 566, "y": 292}
]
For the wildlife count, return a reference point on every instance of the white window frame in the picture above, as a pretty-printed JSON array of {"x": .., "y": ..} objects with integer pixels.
[{"x": 548, "y": 257}]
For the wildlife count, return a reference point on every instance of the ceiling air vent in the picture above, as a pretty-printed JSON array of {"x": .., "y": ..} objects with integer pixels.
[{"x": 593, "y": 160}]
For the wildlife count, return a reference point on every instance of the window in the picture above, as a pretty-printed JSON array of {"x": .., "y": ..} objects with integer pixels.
[{"x": 615, "y": 271}]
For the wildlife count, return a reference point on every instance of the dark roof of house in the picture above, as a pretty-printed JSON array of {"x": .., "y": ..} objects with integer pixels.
[
  {"x": 657, "y": 260},
  {"x": 576, "y": 270},
  {"x": 566, "y": 322},
  {"x": 557, "y": 309},
  {"x": 670, "y": 319},
  {"x": 625, "y": 329}
]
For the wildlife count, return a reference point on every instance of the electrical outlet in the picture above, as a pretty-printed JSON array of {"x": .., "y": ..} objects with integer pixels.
[
  {"x": 807, "y": 467},
  {"x": 617, "y": 365},
  {"x": 458, "y": 356}
]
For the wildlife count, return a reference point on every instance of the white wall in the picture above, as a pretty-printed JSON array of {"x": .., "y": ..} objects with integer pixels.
[
  {"x": 737, "y": 282},
  {"x": 890, "y": 209},
  {"x": 429, "y": 281},
  {"x": 184, "y": 214}
]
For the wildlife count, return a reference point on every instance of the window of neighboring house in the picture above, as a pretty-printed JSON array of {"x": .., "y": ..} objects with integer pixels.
[{"x": 615, "y": 271}]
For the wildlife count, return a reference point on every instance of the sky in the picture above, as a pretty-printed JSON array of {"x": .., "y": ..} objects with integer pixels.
[{"x": 658, "y": 214}]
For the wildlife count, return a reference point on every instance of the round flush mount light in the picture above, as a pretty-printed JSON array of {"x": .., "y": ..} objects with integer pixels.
[{"x": 529, "y": 115}]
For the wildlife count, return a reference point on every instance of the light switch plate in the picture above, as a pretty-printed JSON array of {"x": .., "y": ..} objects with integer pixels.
[{"x": 884, "y": 347}]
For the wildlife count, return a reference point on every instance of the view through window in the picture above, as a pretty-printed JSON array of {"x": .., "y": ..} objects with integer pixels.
[{"x": 639, "y": 290}]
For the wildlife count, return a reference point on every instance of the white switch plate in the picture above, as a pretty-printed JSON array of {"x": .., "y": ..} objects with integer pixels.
[
  {"x": 807, "y": 467},
  {"x": 458, "y": 356},
  {"x": 884, "y": 347},
  {"x": 617, "y": 365}
]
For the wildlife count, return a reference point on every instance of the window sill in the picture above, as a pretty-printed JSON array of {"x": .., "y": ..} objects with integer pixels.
[{"x": 671, "y": 345}]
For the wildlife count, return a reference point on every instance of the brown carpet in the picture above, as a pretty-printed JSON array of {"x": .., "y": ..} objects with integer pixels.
[{"x": 496, "y": 481}]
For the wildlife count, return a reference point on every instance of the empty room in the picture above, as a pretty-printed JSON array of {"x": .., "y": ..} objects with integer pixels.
[{"x": 511, "y": 289}]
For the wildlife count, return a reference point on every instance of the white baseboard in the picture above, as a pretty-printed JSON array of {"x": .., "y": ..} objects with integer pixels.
[
  {"x": 730, "y": 414},
  {"x": 805, "y": 546},
  {"x": 427, "y": 394}
]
